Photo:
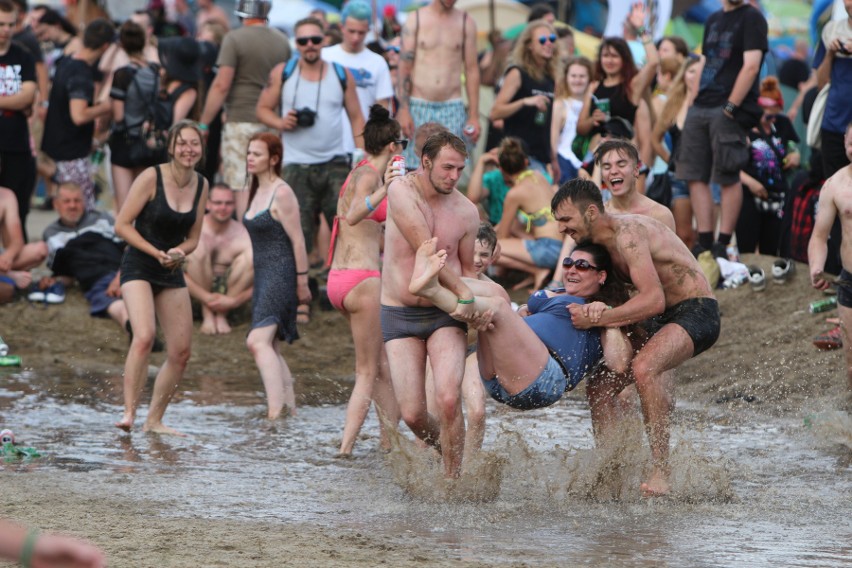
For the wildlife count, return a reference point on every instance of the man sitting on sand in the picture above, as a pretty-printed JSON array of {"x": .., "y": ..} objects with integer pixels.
[
  {"x": 16, "y": 258},
  {"x": 220, "y": 274},
  {"x": 672, "y": 294}
]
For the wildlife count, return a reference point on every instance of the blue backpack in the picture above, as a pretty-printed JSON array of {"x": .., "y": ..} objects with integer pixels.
[{"x": 291, "y": 67}]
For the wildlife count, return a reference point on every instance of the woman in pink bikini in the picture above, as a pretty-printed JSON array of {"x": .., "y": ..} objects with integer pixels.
[{"x": 354, "y": 281}]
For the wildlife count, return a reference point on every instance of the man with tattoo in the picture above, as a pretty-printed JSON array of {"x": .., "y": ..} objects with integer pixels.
[
  {"x": 438, "y": 46},
  {"x": 673, "y": 300}
]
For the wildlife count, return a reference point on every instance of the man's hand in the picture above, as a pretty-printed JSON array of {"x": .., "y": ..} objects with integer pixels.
[
  {"x": 465, "y": 312},
  {"x": 114, "y": 288},
  {"x": 580, "y": 316},
  {"x": 818, "y": 279},
  {"x": 403, "y": 117},
  {"x": 290, "y": 121},
  {"x": 472, "y": 129},
  {"x": 220, "y": 303}
]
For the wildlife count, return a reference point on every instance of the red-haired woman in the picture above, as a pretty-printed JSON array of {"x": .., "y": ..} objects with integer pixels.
[{"x": 280, "y": 269}]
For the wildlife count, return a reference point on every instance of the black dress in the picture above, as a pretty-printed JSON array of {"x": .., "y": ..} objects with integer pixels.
[
  {"x": 164, "y": 228},
  {"x": 274, "y": 298}
]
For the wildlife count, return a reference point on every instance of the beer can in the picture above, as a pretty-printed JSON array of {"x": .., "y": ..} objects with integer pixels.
[
  {"x": 825, "y": 305},
  {"x": 10, "y": 361},
  {"x": 399, "y": 164}
]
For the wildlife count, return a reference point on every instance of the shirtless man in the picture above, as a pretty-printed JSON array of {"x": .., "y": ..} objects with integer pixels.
[
  {"x": 618, "y": 161},
  {"x": 672, "y": 294},
  {"x": 438, "y": 46},
  {"x": 423, "y": 205},
  {"x": 220, "y": 273},
  {"x": 16, "y": 258},
  {"x": 836, "y": 196}
]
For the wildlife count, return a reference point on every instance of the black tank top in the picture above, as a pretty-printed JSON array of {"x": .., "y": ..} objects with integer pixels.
[
  {"x": 523, "y": 125},
  {"x": 619, "y": 104}
]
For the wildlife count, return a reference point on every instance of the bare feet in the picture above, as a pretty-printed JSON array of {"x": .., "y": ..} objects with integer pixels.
[
  {"x": 427, "y": 265},
  {"x": 161, "y": 429},
  {"x": 126, "y": 423},
  {"x": 657, "y": 485},
  {"x": 222, "y": 326},
  {"x": 21, "y": 278},
  {"x": 208, "y": 326}
]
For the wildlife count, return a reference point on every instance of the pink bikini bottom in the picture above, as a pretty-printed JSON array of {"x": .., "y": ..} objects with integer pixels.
[{"x": 341, "y": 282}]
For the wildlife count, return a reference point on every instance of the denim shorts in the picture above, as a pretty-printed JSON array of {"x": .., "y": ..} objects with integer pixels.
[
  {"x": 544, "y": 252},
  {"x": 546, "y": 390},
  {"x": 679, "y": 189}
]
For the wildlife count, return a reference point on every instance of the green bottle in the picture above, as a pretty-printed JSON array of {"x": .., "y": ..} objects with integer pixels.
[
  {"x": 10, "y": 361},
  {"x": 823, "y": 305}
]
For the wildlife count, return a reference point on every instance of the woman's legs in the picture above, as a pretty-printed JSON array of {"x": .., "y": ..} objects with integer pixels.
[
  {"x": 175, "y": 314},
  {"x": 139, "y": 299},
  {"x": 505, "y": 338},
  {"x": 263, "y": 344},
  {"x": 514, "y": 255},
  {"x": 122, "y": 179}
]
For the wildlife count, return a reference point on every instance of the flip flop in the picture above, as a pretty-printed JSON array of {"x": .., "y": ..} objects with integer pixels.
[{"x": 303, "y": 314}]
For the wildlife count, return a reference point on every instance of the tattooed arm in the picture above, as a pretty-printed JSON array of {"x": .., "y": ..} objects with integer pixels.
[{"x": 404, "y": 84}]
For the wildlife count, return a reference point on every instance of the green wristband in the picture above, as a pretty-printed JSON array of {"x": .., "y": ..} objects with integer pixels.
[
  {"x": 28, "y": 548},
  {"x": 203, "y": 127},
  {"x": 467, "y": 301}
]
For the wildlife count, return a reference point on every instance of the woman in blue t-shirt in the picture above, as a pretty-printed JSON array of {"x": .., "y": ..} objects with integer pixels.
[{"x": 528, "y": 359}]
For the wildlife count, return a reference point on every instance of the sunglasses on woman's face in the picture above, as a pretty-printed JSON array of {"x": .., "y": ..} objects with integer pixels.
[
  {"x": 544, "y": 39},
  {"x": 303, "y": 41},
  {"x": 402, "y": 142},
  {"x": 580, "y": 264},
  {"x": 394, "y": 48}
]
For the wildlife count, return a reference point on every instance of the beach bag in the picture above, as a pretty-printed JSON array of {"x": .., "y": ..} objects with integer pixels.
[
  {"x": 146, "y": 118},
  {"x": 813, "y": 135},
  {"x": 660, "y": 188}
]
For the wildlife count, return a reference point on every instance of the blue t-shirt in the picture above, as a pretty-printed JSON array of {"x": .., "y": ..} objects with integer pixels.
[
  {"x": 578, "y": 350},
  {"x": 838, "y": 111}
]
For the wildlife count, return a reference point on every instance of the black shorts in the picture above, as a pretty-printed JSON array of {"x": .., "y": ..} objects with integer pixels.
[
  {"x": 844, "y": 289},
  {"x": 400, "y": 322},
  {"x": 699, "y": 317}
]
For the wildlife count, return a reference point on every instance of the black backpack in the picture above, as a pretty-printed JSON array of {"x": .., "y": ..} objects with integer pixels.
[{"x": 146, "y": 118}]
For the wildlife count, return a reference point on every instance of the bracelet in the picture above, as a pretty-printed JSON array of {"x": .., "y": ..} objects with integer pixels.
[
  {"x": 465, "y": 302},
  {"x": 305, "y": 273},
  {"x": 203, "y": 127},
  {"x": 370, "y": 208},
  {"x": 28, "y": 548},
  {"x": 730, "y": 107},
  {"x": 44, "y": 104}
]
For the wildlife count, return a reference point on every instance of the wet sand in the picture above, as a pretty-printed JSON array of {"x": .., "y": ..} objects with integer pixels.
[{"x": 763, "y": 367}]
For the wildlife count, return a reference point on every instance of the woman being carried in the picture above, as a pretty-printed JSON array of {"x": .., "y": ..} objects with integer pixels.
[
  {"x": 280, "y": 269},
  {"x": 537, "y": 252},
  {"x": 354, "y": 281},
  {"x": 529, "y": 362}
]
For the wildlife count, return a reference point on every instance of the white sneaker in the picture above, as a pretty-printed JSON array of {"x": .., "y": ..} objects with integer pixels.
[
  {"x": 757, "y": 278},
  {"x": 36, "y": 296},
  {"x": 782, "y": 270},
  {"x": 55, "y": 294}
]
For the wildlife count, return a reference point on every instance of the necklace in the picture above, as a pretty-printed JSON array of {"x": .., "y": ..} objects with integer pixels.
[{"x": 181, "y": 186}]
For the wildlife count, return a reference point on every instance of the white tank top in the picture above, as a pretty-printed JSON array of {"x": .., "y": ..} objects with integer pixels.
[
  {"x": 569, "y": 131},
  {"x": 319, "y": 143}
]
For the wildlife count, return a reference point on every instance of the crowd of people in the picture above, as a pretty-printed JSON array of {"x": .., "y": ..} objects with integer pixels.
[{"x": 236, "y": 157}]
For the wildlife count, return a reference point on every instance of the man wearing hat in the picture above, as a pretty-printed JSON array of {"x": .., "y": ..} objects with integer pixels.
[{"x": 247, "y": 56}]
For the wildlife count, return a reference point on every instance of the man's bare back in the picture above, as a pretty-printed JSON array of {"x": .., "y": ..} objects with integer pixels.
[{"x": 438, "y": 53}]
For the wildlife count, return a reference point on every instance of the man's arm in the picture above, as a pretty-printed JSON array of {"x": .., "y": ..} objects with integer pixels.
[
  {"x": 10, "y": 229},
  {"x": 353, "y": 110},
  {"x": 82, "y": 113},
  {"x": 219, "y": 90},
  {"x": 267, "y": 103},
  {"x": 818, "y": 243},
  {"x": 471, "y": 83},
  {"x": 403, "y": 78},
  {"x": 745, "y": 78},
  {"x": 21, "y": 100}
]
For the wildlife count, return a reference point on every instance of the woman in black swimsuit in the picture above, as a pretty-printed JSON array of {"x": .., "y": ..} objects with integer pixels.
[{"x": 161, "y": 222}]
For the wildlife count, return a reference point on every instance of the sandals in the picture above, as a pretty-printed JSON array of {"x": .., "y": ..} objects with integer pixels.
[{"x": 303, "y": 314}]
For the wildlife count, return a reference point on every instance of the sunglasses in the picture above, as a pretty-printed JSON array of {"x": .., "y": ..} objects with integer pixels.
[
  {"x": 544, "y": 39},
  {"x": 580, "y": 264},
  {"x": 770, "y": 116},
  {"x": 394, "y": 48},
  {"x": 303, "y": 41},
  {"x": 402, "y": 142}
]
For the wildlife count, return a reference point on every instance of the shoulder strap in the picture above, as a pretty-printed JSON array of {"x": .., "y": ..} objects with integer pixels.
[
  {"x": 341, "y": 74},
  {"x": 199, "y": 189},
  {"x": 288, "y": 69}
]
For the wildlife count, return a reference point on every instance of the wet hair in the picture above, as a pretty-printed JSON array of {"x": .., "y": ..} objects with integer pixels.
[
  {"x": 511, "y": 156},
  {"x": 622, "y": 147},
  {"x": 437, "y": 141},
  {"x": 563, "y": 91},
  {"x": 486, "y": 234},
  {"x": 132, "y": 38},
  {"x": 523, "y": 58},
  {"x": 98, "y": 33},
  {"x": 679, "y": 44},
  {"x": 357, "y": 10},
  {"x": 275, "y": 149},
  {"x": 8, "y": 7},
  {"x": 380, "y": 130},
  {"x": 424, "y": 131},
  {"x": 539, "y": 11},
  {"x": 174, "y": 134},
  {"x": 628, "y": 65},
  {"x": 581, "y": 192},
  {"x": 309, "y": 21},
  {"x": 613, "y": 291}
]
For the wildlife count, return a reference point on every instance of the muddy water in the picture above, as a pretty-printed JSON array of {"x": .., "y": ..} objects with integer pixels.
[{"x": 748, "y": 490}]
